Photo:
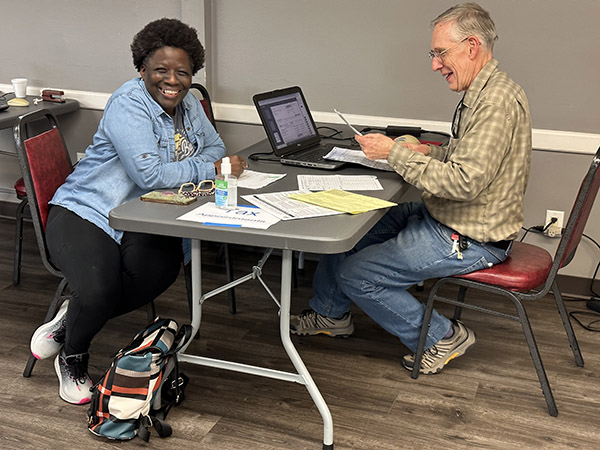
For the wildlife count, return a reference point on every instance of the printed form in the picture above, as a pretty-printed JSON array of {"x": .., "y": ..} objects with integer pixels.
[{"x": 343, "y": 182}]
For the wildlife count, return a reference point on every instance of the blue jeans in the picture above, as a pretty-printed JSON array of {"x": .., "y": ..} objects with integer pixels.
[{"x": 405, "y": 247}]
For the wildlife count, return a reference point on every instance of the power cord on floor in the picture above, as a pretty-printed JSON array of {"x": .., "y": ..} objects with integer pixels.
[{"x": 593, "y": 303}]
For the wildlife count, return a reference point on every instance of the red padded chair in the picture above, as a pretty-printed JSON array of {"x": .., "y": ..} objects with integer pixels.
[
  {"x": 45, "y": 165},
  {"x": 529, "y": 273}
]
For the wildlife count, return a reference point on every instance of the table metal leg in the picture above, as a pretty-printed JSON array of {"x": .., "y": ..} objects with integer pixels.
[
  {"x": 302, "y": 376},
  {"x": 284, "y": 328}
]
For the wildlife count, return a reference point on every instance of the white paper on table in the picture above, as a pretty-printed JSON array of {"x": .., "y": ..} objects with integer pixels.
[
  {"x": 243, "y": 216},
  {"x": 357, "y": 157},
  {"x": 343, "y": 182},
  {"x": 279, "y": 205},
  {"x": 256, "y": 180}
]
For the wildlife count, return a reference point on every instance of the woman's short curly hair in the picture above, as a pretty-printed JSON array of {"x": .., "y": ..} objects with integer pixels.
[{"x": 167, "y": 33}]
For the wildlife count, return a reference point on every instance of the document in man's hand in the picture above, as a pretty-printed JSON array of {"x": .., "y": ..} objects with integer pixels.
[
  {"x": 343, "y": 201},
  {"x": 357, "y": 157}
]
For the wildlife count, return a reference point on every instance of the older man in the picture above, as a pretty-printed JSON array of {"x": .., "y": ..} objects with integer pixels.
[{"x": 471, "y": 208}]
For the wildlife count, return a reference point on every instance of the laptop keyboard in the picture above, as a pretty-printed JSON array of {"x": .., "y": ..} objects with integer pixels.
[{"x": 313, "y": 154}]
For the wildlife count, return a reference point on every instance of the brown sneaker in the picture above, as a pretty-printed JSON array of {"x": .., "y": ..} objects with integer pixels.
[
  {"x": 440, "y": 354},
  {"x": 310, "y": 322}
]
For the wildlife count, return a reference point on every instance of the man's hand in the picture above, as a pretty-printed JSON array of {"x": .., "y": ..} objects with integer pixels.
[
  {"x": 421, "y": 148},
  {"x": 375, "y": 145}
]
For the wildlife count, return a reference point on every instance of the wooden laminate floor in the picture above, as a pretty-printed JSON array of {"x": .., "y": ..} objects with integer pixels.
[{"x": 489, "y": 398}]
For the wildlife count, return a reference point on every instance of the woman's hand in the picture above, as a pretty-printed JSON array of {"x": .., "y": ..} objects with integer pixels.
[{"x": 238, "y": 164}]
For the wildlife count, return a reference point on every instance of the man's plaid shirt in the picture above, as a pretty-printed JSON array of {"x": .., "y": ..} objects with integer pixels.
[{"x": 475, "y": 185}]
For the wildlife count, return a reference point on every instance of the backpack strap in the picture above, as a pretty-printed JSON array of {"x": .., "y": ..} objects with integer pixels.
[
  {"x": 162, "y": 428},
  {"x": 183, "y": 336},
  {"x": 172, "y": 392}
]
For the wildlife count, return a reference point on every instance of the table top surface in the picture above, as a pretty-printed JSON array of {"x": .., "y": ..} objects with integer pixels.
[
  {"x": 331, "y": 234},
  {"x": 9, "y": 117}
]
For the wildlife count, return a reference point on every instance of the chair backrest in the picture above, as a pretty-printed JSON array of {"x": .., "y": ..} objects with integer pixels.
[
  {"x": 206, "y": 103},
  {"x": 45, "y": 164},
  {"x": 579, "y": 214}
]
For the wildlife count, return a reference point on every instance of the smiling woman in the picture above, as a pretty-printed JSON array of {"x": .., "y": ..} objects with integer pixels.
[
  {"x": 167, "y": 75},
  {"x": 153, "y": 135},
  {"x": 167, "y": 53}
]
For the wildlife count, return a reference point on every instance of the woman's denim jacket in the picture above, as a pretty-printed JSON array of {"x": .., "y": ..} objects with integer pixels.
[{"x": 133, "y": 153}]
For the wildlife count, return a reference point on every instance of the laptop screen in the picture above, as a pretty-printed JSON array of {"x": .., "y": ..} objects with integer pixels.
[{"x": 286, "y": 119}]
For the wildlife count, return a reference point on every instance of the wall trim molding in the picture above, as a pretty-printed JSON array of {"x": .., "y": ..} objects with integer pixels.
[{"x": 549, "y": 140}]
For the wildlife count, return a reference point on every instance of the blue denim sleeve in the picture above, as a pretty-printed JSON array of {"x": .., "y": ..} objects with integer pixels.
[{"x": 143, "y": 141}]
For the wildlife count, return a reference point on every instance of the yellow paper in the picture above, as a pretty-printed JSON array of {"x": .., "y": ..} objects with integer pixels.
[{"x": 343, "y": 201}]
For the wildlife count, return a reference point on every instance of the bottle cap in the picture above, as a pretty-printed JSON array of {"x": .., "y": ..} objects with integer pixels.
[{"x": 226, "y": 166}]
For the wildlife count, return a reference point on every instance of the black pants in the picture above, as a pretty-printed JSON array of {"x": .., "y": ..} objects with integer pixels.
[{"x": 106, "y": 279}]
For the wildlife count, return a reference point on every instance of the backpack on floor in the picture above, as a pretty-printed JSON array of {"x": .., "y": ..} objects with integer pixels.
[{"x": 141, "y": 385}]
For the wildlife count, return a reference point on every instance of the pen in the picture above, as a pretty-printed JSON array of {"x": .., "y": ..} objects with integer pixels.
[{"x": 347, "y": 123}]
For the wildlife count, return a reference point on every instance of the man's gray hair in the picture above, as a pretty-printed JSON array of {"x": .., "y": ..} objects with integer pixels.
[{"x": 469, "y": 19}]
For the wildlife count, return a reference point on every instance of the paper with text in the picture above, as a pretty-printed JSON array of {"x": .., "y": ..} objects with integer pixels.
[
  {"x": 242, "y": 216},
  {"x": 344, "y": 182},
  {"x": 256, "y": 180},
  {"x": 357, "y": 157},
  {"x": 343, "y": 201},
  {"x": 285, "y": 208}
]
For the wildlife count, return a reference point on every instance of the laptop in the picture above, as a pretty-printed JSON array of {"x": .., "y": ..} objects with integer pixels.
[{"x": 291, "y": 129}]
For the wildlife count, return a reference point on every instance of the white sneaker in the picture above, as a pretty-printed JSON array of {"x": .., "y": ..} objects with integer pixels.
[
  {"x": 74, "y": 381},
  {"x": 49, "y": 338}
]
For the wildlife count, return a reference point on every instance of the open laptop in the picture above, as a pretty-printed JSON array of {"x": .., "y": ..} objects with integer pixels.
[{"x": 291, "y": 129}]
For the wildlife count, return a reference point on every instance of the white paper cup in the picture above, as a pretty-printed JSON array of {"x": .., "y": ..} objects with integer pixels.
[{"x": 20, "y": 87}]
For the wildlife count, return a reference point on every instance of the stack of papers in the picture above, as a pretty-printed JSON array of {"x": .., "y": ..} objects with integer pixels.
[
  {"x": 282, "y": 206},
  {"x": 346, "y": 202}
]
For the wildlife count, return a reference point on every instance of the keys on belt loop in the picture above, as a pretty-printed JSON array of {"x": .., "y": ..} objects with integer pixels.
[{"x": 459, "y": 243}]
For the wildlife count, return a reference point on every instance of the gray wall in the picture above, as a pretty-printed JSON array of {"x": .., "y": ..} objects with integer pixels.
[
  {"x": 370, "y": 57},
  {"x": 79, "y": 44},
  {"x": 362, "y": 57}
]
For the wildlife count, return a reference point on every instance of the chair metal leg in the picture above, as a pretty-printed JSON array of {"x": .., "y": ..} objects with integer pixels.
[
  {"x": 58, "y": 299},
  {"x": 295, "y": 263},
  {"x": 18, "y": 242},
  {"x": 229, "y": 273},
  {"x": 424, "y": 329},
  {"x": 462, "y": 291},
  {"x": 535, "y": 356},
  {"x": 521, "y": 317},
  {"x": 151, "y": 311},
  {"x": 562, "y": 310}
]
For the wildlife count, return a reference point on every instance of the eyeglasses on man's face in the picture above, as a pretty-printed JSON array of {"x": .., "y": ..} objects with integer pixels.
[{"x": 440, "y": 55}]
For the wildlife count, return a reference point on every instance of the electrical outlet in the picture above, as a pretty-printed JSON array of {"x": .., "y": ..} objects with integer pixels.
[{"x": 554, "y": 230}]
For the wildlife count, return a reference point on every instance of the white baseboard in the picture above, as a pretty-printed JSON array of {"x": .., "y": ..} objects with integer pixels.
[{"x": 550, "y": 140}]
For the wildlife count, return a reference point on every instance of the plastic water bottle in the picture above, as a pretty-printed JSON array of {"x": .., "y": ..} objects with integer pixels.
[{"x": 226, "y": 187}]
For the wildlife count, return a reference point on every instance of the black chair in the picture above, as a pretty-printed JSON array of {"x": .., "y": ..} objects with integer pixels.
[
  {"x": 528, "y": 274},
  {"x": 202, "y": 94},
  {"x": 45, "y": 164}
]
